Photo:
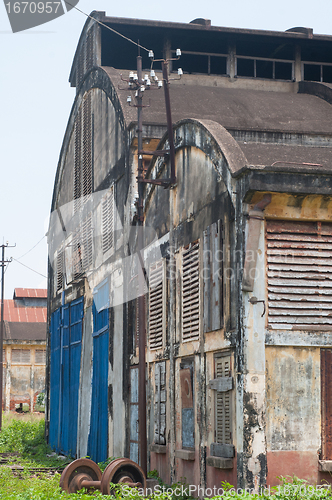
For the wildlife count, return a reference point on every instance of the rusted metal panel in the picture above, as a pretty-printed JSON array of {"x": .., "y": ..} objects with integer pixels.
[
  {"x": 187, "y": 403},
  {"x": 186, "y": 388},
  {"x": 299, "y": 274},
  {"x": 190, "y": 292},
  {"x": 326, "y": 388},
  {"x": 156, "y": 304}
]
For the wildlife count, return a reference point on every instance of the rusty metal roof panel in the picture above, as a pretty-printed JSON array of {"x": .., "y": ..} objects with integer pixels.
[
  {"x": 21, "y": 314},
  {"x": 21, "y": 293}
]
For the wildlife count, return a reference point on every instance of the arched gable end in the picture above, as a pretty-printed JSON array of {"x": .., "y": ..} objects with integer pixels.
[{"x": 206, "y": 158}]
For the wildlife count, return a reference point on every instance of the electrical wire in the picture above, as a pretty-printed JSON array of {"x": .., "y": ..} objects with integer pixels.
[
  {"x": 108, "y": 27},
  {"x": 26, "y": 253},
  {"x": 43, "y": 275}
]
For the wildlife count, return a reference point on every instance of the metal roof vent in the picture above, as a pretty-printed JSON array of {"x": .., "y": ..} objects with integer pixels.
[
  {"x": 200, "y": 20},
  {"x": 301, "y": 29}
]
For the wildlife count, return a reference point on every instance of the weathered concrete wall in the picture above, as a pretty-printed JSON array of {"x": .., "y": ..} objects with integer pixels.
[
  {"x": 84, "y": 403},
  {"x": 23, "y": 379}
]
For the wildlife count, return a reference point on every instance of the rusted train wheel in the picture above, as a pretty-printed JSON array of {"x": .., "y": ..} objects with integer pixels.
[
  {"x": 82, "y": 473},
  {"x": 125, "y": 471}
]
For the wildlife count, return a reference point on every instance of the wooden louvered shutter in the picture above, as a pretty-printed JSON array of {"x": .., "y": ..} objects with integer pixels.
[
  {"x": 160, "y": 403},
  {"x": 190, "y": 292},
  {"x": 108, "y": 221},
  {"x": 87, "y": 147},
  {"x": 326, "y": 394},
  {"x": 86, "y": 242},
  {"x": 212, "y": 278},
  {"x": 59, "y": 269},
  {"x": 156, "y": 305},
  {"x": 223, "y": 385},
  {"x": 299, "y": 275},
  {"x": 40, "y": 356},
  {"x": 21, "y": 356},
  {"x": 77, "y": 162},
  {"x": 89, "y": 50},
  {"x": 223, "y": 403}
]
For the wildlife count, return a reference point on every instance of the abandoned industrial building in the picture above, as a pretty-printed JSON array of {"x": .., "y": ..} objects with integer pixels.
[
  {"x": 24, "y": 348},
  {"x": 237, "y": 259}
]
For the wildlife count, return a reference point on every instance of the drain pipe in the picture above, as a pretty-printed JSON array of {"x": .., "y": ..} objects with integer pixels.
[{"x": 256, "y": 216}]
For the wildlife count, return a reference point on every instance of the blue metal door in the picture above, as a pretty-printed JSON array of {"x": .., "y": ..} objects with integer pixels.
[
  {"x": 98, "y": 437},
  {"x": 76, "y": 327},
  {"x": 55, "y": 341},
  {"x": 66, "y": 332},
  {"x": 65, "y": 382}
]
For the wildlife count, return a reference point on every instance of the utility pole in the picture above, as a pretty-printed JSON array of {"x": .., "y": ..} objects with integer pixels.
[
  {"x": 2, "y": 264},
  {"x": 137, "y": 83}
]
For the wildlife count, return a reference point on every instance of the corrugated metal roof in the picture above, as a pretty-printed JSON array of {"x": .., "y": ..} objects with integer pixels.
[
  {"x": 21, "y": 314},
  {"x": 21, "y": 293}
]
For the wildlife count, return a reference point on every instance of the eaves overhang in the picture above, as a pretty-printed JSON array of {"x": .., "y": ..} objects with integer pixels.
[{"x": 292, "y": 181}]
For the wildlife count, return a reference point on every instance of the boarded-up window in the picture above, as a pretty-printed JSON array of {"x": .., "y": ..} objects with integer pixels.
[
  {"x": 40, "y": 356},
  {"x": 299, "y": 275},
  {"x": 187, "y": 404},
  {"x": 160, "y": 403},
  {"x": 156, "y": 304},
  {"x": 190, "y": 292},
  {"x": 212, "y": 278},
  {"x": 222, "y": 385},
  {"x": 21, "y": 356},
  {"x": 326, "y": 388},
  {"x": 108, "y": 221}
]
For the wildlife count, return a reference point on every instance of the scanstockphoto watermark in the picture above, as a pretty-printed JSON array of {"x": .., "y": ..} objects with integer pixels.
[
  {"x": 24, "y": 15},
  {"x": 195, "y": 490}
]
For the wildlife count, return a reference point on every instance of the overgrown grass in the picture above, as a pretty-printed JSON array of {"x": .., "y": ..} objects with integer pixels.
[{"x": 24, "y": 433}]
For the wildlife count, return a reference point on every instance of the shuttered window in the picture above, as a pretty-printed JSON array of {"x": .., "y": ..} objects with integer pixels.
[
  {"x": 223, "y": 403},
  {"x": 108, "y": 221},
  {"x": 160, "y": 403},
  {"x": 59, "y": 270},
  {"x": 40, "y": 356},
  {"x": 21, "y": 356},
  {"x": 82, "y": 248},
  {"x": 212, "y": 278},
  {"x": 190, "y": 292},
  {"x": 156, "y": 304},
  {"x": 86, "y": 242},
  {"x": 83, "y": 171},
  {"x": 299, "y": 276}
]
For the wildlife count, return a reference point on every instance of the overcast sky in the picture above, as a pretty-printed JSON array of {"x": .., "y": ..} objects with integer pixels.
[{"x": 36, "y": 100}]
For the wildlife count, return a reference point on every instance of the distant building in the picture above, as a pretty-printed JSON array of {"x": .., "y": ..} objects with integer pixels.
[
  {"x": 24, "y": 348},
  {"x": 238, "y": 304}
]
